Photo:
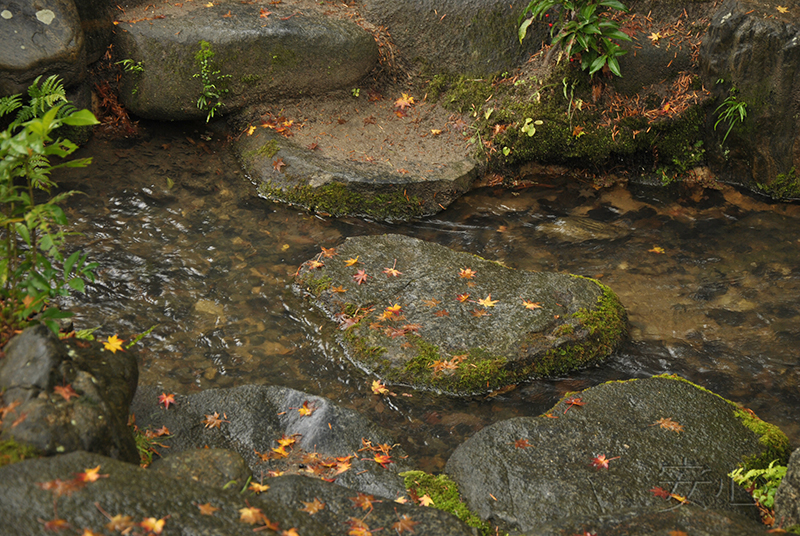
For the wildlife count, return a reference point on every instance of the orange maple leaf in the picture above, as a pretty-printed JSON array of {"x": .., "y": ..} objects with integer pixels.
[
  {"x": 573, "y": 401},
  {"x": 151, "y": 524},
  {"x": 668, "y": 424},
  {"x": 404, "y": 102},
  {"x": 487, "y": 301},
  {"x": 306, "y": 410},
  {"x": 227, "y": 15},
  {"x": 462, "y": 297},
  {"x": 358, "y": 527},
  {"x": 360, "y": 276},
  {"x": 601, "y": 461},
  {"x": 531, "y": 305},
  {"x": 278, "y": 164},
  {"x": 65, "y": 391},
  {"x": 56, "y": 524},
  {"x": 363, "y": 501},
  {"x": 61, "y": 487},
  {"x": 264, "y": 13},
  {"x": 383, "y": 459},
  {"x": 522, "y": 444},
  {"x": 257, "y": 488},
  {"x": 213, "y": 421},
  {"x": 329, "y": 252},
  {"x": 351, "y": 261},
  {"x": 166, "y": 399},
  {"x": 394, "y": 310},
  {"x": 206, "y": 509},
  {"x": 312, "y": 507},
  {"x": 120, "y": 523},
  {"x": 379, "y": 388},
  {"x": 251, "y": 515},
  {"x": 467, "y": 273},
  {"x": 391, "y": 272},
  {"x": 404, "y": 524},
  {"x": 90, "y": 475}
]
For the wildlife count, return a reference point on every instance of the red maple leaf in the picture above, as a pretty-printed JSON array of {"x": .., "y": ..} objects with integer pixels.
[
  {"x": 660, "y": 492},
  {"x": 383, "y": 459},
  {"x": 360, "y": 277},
  {"x": 601, "y": 461},
  {"x": 573, "y": 401},
  {"x": 522, "y": 443},
  {"x": 65, "y": 391},
  {"x": 278, "y": 164},
  {"x": 166, "y": 399}
]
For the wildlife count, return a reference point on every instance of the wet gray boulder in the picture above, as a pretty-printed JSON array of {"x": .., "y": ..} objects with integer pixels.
[
  {"x": 216, "y": 468},
  {"x": 787, "y": 498},
  {"x": 351, "y": 188},
  {"x": 40, "y": 38},
  {"x": 751, "y": 49},
  {"x": 253, "y": 418},
  {"x": 616, "y": 451},
  {"x": 67, "y": 396},
  {"x": 436, "y": 325},
  {"x": 289, "y": 52},
  {"x": 36, "y": 492},
  {"x": 129, "y": 494},
  {"x": 473, "y": 37}
]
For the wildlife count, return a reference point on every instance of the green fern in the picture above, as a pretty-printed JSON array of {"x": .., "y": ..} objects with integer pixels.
[
  {"x": 42, "y": 99},
  {"x": 761, "y": 483},
  {"x": 9, "y": 104}
]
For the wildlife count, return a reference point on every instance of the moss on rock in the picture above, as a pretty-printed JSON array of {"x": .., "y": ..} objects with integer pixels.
[
  {"x": 445, "y": 496},
  {"x": 12, "y": 452}
]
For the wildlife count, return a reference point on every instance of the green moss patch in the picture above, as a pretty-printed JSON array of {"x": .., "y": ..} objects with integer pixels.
[
  {"x": 785, "y": 186},
  {"x": 445, "y": 496},
  {"x": 12, "y": 452}
]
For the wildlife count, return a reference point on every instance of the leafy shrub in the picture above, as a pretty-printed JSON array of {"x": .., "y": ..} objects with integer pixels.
[{"x": 33, "y": 269}]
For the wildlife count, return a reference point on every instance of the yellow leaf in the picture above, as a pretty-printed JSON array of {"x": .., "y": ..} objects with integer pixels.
[
  {"x": 250, "y": 130},
  {"x": 531, "y": 305},
  {"x": 113, "y": 344},
  {"x": 435, "y": 131},
  {"x": 487, "y": 301},
  {"x": 351, "y": 261},
  {"x": 258, "y": 488},
  {"x": 656, "y": 249},
  {"x": 210, "y": 4},
  {"x": 782, "y": 9},
  {"x": 207, "y": 509},
  {"x": 425, "y": 500},
  {"x": 654, "y": 37},
  {"x": 151, "y": 524},
  {"x": 379, "y": 388}
]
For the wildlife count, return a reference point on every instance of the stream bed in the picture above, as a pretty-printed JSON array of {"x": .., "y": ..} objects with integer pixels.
[{"x": 710, "y": 279}]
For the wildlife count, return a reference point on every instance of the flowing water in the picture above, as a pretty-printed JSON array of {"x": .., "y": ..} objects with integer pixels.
[{"x": 711, "y": 281}]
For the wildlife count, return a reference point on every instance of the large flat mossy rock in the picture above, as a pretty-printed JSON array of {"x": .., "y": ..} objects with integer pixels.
[
  {"x": 265, "y": 49},
  {"x": 455, "y": 323},
  {"x": 349, "y": 188},
  {"x": 665, "y": 443}
]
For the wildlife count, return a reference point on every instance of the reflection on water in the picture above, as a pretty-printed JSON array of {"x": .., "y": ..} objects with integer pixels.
[{"x": 711, "y": 281}]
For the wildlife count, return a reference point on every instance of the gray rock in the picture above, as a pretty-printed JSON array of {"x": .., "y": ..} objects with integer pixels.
[
  {"x": 40, "y": 38},
  {"x": 475, "y": 37},
  {"x": 758, "y": 56},
  {"x": 94, "y": 418},
  {"x": 348, "y": 188},
  {"x": 255, "y": 417},
  {"x": 97, "y": 22},
  {"x": 215, "y": 468},
  {"x": 308, "y": 52},
  {"x": 787, "y": 498},
  {"x": 439, "y": 343},
  {"x": 552, "y": 478},
  {"x": 128, "y": 490}
]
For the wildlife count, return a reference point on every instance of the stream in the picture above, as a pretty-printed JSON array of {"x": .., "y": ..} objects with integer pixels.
[{"x": 710, "y": 279}]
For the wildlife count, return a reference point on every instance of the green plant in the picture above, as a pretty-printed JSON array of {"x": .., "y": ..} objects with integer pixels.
[
  {"x": 135, "y": 67},
  {"x": 573, "y": 103},
  {"x": 33, "y": 270},
  {"x": 214, "y": 84},
  {"x": 583, "y": 27},
  {"x": 761, "y": 483},
  {"x": 355, "y": 92},
  {"x": 529, "y": 127},
  {"x": 732, "y": 110}
]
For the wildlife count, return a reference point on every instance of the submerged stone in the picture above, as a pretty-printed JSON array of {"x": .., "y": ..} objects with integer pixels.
[
  {"x": 579, "y": 229},
  {"x": 455, "y": 323},
  {"x": 602, "y": 459}
]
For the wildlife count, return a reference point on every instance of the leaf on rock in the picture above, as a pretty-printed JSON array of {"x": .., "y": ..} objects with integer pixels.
[
  {"x": 306, "y": 410},
  {"x": 65, "y": 391},
  {"x": 360, "y": 277},
  {"x": 531, "y": 305},
  {"x": 425, "y": 500},
  {"x": 358, "y": 527},
  {"x": 363, "y": 501},
  {"x": 660, "y": 492},
  {"x": 56, "y": 524},
  {"x": 379, "y": 388},
  {"x": 431, "y": 303},
  {"x": 207, "y": 509},
  {"x": 151, "y": 524},
  {"x": 462, "y": 297},
  {"x": 113, "y": 344},
  {"x": 120, "y": 523},
  {"x": 467, "y": 273},
  {"x": 487, "y": 301},
  {"x": 668, "y": 424},
  {"x": 312, "y": 507},
  {"x": 404, "y": 102},
  {"x": 166, "y": 399},
  {"x": 573, "y": 401},
  {"x": 278, "y": 164},
  {"x": 404, "y": 524},
  {"x": 391, "y": 272},
  {"x": 90, "y": 475},
  {"x": 522, "y": 444},
  {"x": 251, "y": 515},
  {"x": 257, "y": 488},
  {"x": 351, "y": 261},
  {"x": 214, "y": 421},
  {"x": 601, "y": 462}
]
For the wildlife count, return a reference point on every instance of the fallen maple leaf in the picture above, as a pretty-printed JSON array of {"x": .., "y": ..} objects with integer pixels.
[
  {"x": 90, "y": 475},
  {"x": 782, "y": 9},
  {"x": 531, "y": 305},
  {"x": 151, "y": 524},
  {"x": 251, "y": 129},
  {"x": 264, "y": 14},
  {"x": 654, "y": 37},
  {"x": 61, "y": 487},
  {"x": 573, "y": 401},
  {"x": 660, "y": 492},
  {"x": 394, "y": 310},
  {"x": 425, "y": 500},
  {"x": 290, "y": 532},
  {"x": 329, "y": 252},
  {"x": 477, "y": 313},
  {"x": 251, "y": 515},
  {"x": 358, "y": 527},
  {"x": 462, "y": 297},
  {"x": 257, "y": 488},
  {"x": 404, "y": 524},
  {"x": 435, "y": 132},
  {"x": 383, "y": 460},
  {"x": 656, "y": 249},
  {"x": 404, "y": 102},
  {"x": 65, "y": 391},
  {"x": 601, "y": 461},
  {"x": 206, "y": 509},
  {"x": 487, "y": 301},
  {"x": 312, "y": 507},
  {"x": 120, "y": 523},
  {"x": 166, "y": 399},
  {"x": 522, "y": 444},
  {"x": 379, "y": 388},
  {"x": 306, "y": 410},
  {"x": 113, "y": 344},
  {"x": 360, "y": 276},
  {"x": 391, "y": 272},
  {"x": 227, "y": 15},
  {"x": 668, "y": 424},
  {"x": 278, "y": 164},
  {"x": 431, "y": 303},
  {"x": 213, "y": 421},
  {"x": 351, "y": 261},
  {"x": 467, "y": 273},
  {"x": 363, "y": 501},
  {"x": 314, "y": 264},
  {"x": 337, "y": 289},
  {"x": 441, "y": 313},
  {"x": 55, "y": 524}
]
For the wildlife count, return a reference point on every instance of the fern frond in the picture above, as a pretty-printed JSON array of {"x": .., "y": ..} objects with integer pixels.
[{"x": 9, "y": 104}]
